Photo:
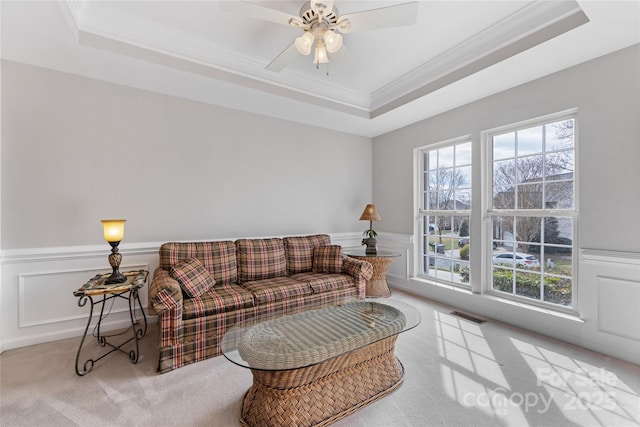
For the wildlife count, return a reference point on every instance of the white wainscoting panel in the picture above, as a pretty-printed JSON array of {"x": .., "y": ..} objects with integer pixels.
[
  {"x": 37, "y": 291},
  {"x": 619, "y": 307},
  {"x": 401, "y": 244},
  {"x": 37, "y": 302},
  {"x": 608, "y": 294},
  {"x": 36, "y": 288}
]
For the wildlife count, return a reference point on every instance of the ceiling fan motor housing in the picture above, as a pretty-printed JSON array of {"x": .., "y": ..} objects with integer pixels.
[{"x": 310, "y": 15}]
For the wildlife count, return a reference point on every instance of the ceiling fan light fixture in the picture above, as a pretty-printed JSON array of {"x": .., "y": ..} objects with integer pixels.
[
  {"x": 321, "y": 56},
  {"x": 323, "y": 26},
  {"x": 304, "y": 43},
  {"x": 332, "y": 40}
]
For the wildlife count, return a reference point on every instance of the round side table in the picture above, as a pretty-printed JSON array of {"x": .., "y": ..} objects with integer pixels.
[{"x": 377, "y": 286}]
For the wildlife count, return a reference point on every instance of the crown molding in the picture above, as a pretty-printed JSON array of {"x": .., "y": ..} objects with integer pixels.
[
  {"x": 102, "y": 27},
  {"x": 529, "y": 20},
  {"x": 97, "y": 25}
]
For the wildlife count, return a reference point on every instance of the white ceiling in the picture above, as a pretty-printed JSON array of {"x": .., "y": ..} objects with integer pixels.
[{"x": 457, "y": 52}]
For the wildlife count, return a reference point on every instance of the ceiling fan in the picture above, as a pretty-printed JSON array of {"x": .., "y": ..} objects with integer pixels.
[{"x": 322, "y": 25}]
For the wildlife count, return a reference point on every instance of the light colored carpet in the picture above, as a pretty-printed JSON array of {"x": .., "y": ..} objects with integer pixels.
[{"x": 458, "y": 373}]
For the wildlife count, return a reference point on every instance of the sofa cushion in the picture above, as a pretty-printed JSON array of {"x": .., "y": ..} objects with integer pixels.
[
  {"x": 260, "y": 259},
  {"x": 217, "y": 300},
  {"x": 322, "y": 282},
  {"x": 276, "y": 289},
  {"x": 299, "y": 251},
  {"x": 327, "y": 259},
  {"x": 193, "y": 277},
  {"x": 219, "y": 258}
]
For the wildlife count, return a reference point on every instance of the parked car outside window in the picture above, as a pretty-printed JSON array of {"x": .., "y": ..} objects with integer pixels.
[{"x": 520, "y": 259}]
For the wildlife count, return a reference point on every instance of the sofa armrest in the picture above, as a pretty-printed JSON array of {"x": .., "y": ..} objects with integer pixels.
[
  {"x": 164, "y": 293},
  {"x": 361, "y": 272},
  {"x": 165, "y": 300}
]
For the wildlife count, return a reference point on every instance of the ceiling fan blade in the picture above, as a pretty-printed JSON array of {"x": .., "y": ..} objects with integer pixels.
[
  {"x": 282, "y": 60},
  {"x": 253, "y": 10},
  {"x": 391, "y": 16}
]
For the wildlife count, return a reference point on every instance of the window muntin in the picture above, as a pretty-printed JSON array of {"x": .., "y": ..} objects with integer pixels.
[
  {"x": 446, "y": 213},
  {"x": 532, "y": 211}
]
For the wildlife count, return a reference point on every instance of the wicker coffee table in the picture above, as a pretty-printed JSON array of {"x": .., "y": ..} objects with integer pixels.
[{"x": 315, "y": 367}]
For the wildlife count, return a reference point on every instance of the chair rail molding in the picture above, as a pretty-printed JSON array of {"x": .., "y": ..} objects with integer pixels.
[{"x": 36, "y": 288}]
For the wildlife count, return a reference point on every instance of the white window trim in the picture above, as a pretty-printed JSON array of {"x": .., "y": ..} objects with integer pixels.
[
  {"x": 420, "y": 212},
  {"x": 487, "y": 201}
]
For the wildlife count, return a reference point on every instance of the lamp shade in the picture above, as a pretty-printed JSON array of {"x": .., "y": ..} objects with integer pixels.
[
  {"x": 304, "y": 43},
  {"x": 332, "y": 40},
  {"x": 321, "y": 56},
  {"x": 113, "y": 229},
  {"x": 370, "y": 213}
]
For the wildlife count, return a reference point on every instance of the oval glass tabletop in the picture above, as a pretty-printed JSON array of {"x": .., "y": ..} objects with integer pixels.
[{"x": 315, "y": 334}]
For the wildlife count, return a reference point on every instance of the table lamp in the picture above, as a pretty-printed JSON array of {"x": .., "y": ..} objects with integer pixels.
[
  {"x": 113, "y": 233},
  {"x": 370, "y": 214}
]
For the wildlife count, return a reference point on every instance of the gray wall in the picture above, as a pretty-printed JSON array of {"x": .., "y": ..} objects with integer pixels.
[
  {"x": 77, "y": 150},
  {"x": 606, "y": 92}
]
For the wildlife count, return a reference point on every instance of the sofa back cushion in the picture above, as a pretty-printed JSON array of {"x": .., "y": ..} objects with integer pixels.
[
  {"x": 260, "y": 259},
  {"x": 219, "y": 258},
  {"x": 299, "y": 250}
]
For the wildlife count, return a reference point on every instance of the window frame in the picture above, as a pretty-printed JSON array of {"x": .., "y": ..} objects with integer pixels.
[
  {"x": 489, "y": 213},
  {"x": 422, "y": 212}
]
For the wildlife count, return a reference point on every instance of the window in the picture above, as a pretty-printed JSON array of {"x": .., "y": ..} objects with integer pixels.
[
  {"x": 532, "y": 211},
  {"x": 523, "y": 233},
  {"x": 445, "y": 212}
]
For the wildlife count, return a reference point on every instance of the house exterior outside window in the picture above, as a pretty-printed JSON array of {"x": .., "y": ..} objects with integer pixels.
[
  {"x": 526, "y": 205},
  {"x": 445, "y": 210},
  {"x": 531, "y": 210}
]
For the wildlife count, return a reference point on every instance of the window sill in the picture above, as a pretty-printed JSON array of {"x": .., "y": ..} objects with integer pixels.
[
  {"x": 569, "y": 316},
  {"x": 447, "y": 286}
]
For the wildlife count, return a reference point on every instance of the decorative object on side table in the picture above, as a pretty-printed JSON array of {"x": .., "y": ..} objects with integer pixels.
[
  {"x": 113, "y": 233},
  {"x": 370, "y": 214},
  {"x": 98, "y": 286}
]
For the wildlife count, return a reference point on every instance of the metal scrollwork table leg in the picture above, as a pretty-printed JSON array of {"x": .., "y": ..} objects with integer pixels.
[{"x": 138, "y": 329}]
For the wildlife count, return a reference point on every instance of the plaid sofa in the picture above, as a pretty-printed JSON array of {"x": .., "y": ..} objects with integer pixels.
[{"x": 253, "y": 277}]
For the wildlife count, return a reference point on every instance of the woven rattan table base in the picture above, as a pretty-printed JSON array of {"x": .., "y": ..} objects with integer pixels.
[
  {"x": 377, "y": 286},
  {"x": 324, "y": 393}
]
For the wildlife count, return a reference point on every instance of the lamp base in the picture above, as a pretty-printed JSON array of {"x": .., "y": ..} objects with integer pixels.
[
  {"x": 116, "y": 277},
  {"x": 371, "y": 246},
  {"x": 114, "y": 261}
]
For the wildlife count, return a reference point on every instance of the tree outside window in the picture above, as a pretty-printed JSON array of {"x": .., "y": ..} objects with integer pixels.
[
  {"x": 445, "y": 212},
  {"x": 533, "y": 174}
]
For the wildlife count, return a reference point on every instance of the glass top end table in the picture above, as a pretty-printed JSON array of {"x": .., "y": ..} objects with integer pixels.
[
  {"x": 377, "y": 286},
  {"x": 97, "y": 288}
]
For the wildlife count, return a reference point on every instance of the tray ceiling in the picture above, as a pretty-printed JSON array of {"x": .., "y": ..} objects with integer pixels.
[{"x": 381, "y": 80}]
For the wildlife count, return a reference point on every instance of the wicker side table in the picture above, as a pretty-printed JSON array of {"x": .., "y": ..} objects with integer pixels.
[{"x": 377, "y": 286}]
